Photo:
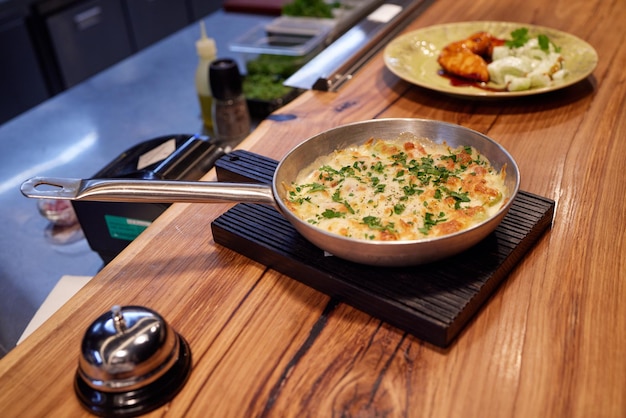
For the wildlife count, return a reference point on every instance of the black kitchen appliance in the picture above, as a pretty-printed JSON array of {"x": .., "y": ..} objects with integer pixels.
[{"x": 110, "y": 226}]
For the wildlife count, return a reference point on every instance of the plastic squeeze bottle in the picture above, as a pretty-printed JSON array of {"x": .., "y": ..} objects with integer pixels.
[{"x": 207, "y": 52}]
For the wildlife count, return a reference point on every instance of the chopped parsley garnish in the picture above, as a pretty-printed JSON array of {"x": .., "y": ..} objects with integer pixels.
[
  {"x": 347, "y": 171},
  {"x": 315, "y": 187},
  {"x": 411, "y": 190},
  {"x": 399, "y": 158},
  {"x": 337, "y": 198},
  {"x": 430, "y": 221},
  {"x": 329, "y": 214},
  {"x": 375, "y": 223},
  {"x": 461, "y": 197},
  {"x": 378, "y": 167},
  {"x": 397, "y": 192},
  {"x": 398, "y": 208}
]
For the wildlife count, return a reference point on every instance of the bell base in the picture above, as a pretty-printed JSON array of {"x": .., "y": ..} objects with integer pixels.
[{"x": 139, "y": 401}]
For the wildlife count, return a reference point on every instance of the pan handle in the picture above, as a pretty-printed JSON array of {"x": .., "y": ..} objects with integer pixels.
[{"x": 147, "y": 191}]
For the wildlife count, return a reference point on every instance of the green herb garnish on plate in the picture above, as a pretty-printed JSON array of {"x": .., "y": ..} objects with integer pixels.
[{"x": 519, "y": 38}]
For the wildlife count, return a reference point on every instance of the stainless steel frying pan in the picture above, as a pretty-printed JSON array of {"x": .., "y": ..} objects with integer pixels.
[{"x": 380, "y": 253}]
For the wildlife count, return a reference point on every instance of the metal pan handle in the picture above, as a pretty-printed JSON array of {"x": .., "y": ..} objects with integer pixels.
[{"x": 151, "y": 191}]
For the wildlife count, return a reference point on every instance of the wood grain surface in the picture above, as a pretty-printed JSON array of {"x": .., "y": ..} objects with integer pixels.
[{"x": 549, "y": 343}]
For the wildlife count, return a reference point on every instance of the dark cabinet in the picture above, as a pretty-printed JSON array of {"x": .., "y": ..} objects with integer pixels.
[
  {"x": 152, "y": 20},
  {"x": 87, "y": 38},
  {"x": 22, "y": 85},
  {"x": 200, "y": 8},
  {"x": 51, "y": 45}
]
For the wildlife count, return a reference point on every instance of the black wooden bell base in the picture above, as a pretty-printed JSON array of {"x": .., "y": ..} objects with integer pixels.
[{"x": 139, "y": 401}]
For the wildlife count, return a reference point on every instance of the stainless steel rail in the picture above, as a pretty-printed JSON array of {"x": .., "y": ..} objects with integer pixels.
[{"x": 340, "y": 60}]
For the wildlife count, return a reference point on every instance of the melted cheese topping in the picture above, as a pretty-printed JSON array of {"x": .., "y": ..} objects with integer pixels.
[{"x": 408, "y": 188}]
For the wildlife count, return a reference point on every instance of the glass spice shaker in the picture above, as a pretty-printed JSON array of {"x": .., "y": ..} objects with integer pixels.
[{"x": 231, "y": 118}]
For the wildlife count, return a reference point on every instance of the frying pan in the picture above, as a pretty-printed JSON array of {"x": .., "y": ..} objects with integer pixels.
[{"x": 379, "y": 253}]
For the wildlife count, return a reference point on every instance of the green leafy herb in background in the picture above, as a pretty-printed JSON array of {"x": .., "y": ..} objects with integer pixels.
[
  {"x": 266, "y": 75},
  {"x": 309, "y": 8},
  {"x": 264, "y": 87}
]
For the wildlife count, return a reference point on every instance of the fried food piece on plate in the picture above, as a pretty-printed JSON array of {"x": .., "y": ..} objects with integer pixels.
[{"x": 465, "y": 58}]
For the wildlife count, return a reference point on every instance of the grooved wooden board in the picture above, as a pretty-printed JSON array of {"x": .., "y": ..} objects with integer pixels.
[{"x": 433, "y": 302}]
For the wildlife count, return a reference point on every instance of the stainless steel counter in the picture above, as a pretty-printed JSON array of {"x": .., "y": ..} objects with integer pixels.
[{"x": 77, "y": 133}]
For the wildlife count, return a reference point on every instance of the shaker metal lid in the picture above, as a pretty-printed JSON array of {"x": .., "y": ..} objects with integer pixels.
[{"x": 131, "y": 361}]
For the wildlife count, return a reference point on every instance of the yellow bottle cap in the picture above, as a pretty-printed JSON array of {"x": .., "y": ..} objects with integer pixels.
[{"x": 205, "y": 46}]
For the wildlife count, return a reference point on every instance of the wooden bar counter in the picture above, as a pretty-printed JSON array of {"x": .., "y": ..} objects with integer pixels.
[{"x": 549, "y": 343}]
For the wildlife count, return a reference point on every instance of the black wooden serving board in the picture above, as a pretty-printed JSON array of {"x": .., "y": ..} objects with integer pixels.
[{"x": 432, "y": 302}]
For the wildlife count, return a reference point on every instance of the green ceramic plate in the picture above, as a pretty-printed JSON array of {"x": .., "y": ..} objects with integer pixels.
[{"x": 413, "y": 56}]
